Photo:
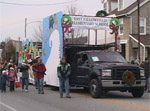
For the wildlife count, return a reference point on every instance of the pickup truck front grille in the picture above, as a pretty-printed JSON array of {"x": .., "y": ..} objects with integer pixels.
[{"x": 118, "y": 72}]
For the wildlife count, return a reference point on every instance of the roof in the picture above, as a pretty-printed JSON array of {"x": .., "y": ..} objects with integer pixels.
[
  {"x": 129, "y": 9},
  {"x": 144, "y": 39}
]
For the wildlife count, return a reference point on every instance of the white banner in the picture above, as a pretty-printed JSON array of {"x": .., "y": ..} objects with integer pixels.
[{"x": 99, "y": 23}]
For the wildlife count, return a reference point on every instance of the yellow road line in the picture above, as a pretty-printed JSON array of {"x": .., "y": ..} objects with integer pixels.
[
  {"x": 126, "y": 104},
  {"x": 115, "y": 102}
]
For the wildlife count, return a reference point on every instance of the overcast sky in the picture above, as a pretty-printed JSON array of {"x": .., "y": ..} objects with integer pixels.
[{"x": 12, "y": 17}]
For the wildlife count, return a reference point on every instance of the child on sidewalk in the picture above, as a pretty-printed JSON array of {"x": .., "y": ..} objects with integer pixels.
[{"x": 3, "y": 81}]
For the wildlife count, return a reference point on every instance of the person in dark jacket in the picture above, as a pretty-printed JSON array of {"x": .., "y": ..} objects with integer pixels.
[
  {"x": 146, "y": 67},
  {"x": 25, "y": 76},
  {"x": 3, "y": 81},
  {"x": 63, "y": 72},
  {"x": 1, "y": 65},
  {"x": 39, "y": 69}
]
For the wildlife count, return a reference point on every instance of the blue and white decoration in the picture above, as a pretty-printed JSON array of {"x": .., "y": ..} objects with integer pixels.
[{"x": 52, "y": 46}]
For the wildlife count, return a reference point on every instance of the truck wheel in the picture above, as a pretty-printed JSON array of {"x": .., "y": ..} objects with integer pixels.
[
  {"x": 95, "y": 88},
  {"x": 138, "y": 92}
]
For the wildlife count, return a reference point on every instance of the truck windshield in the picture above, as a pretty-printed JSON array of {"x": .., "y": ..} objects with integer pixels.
[{"x": 109, "y": 57}]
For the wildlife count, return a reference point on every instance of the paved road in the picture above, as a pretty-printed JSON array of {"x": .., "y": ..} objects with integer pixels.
[{"x": 80, "y": 101}]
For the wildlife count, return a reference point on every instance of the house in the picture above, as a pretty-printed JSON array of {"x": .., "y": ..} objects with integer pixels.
[
  {"x": 127, "y": 12},
  {"x": 109, "y": 5}
]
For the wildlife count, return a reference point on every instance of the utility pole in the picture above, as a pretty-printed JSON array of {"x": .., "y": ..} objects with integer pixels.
[
  {"x": 96, "y": 37},
  {"x": 138, "y": 30},
  {"x": 88, "y": 36},
  {"x": 109, "y": 7},
  {"x": 25, "y": 27}
]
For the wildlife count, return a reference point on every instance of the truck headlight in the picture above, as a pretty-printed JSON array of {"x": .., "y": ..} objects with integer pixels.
[
  {"x": 106, "y": 72},
  {"x": 142, "y": 73}
]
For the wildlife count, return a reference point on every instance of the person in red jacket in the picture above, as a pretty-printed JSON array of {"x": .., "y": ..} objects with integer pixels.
[{"x": 39, "y": 69}]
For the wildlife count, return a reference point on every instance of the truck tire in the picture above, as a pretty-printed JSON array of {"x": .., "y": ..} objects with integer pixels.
[
  {"x": 138, "y": 92},
  {"x": 95, "y": 88}
]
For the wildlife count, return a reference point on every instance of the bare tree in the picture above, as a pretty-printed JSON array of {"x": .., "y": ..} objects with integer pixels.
[
  {"x": 9, "y": 51},
  {"x": 74, "y": 10},
  {"x": 37, "y": 33}
]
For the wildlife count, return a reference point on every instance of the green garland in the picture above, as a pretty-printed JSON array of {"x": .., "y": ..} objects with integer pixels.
[
  {"x": 128, "y": 78},
  {"x": 116, "y": 20},
  {"x": 101, "y": 13},
  {"x": 66, "y": 17}
]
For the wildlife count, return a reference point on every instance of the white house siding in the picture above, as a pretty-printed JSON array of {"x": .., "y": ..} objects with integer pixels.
[
  {"x": 113, "y": 5},
  {"x": 127, "y": 3}
]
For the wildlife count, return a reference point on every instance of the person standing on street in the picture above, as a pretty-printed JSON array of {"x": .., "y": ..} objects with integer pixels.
[
  {"x": 39, "y": 69},
  {"x": 1, "y": 65},
  {"x": 63, "y": 72},
  {"x": 3, "y": 81},
  {"x": 25, "y": 76},
  {"x": 11, "y": 77},
  {"x": 146, "y": 67},
  {"x": 33, "y": 64}
]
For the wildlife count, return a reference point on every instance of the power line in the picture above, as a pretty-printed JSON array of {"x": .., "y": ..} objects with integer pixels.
[{"x": 20, "y": 4}]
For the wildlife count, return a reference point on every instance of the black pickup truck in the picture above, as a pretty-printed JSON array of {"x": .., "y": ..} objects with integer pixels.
[{"x": 102, "y": 70}]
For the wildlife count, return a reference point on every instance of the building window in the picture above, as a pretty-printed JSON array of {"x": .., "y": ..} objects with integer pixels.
[
  {"x": 120, "y": 4},
  {"x": 105, "y": 6},
  {"x": 142, "y": 26},
  {"x": 121, "y": 27}
]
